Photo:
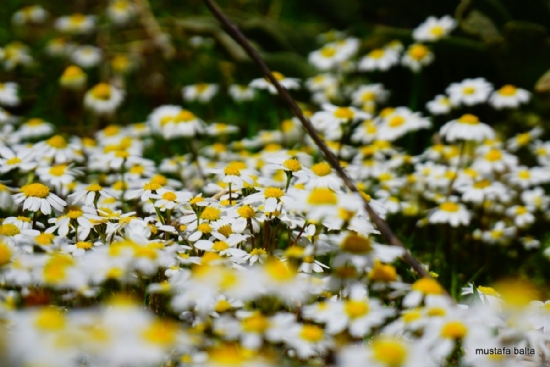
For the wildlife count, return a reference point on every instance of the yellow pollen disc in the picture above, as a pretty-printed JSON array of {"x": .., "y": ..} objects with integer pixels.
[
  {"x": 488, "y": 291},
  {"x": 321, "y": 169},
  {"x": 185, "y": 116},
  {"x": 258, "y": 252},
  {"x": 520, "y": 210},
  {"x": 468, "y": 90},
  {"x": 449, "y": 206},
  {"x": 34, "y": 122},
  {"x": 169, "y": 196},
  {"x": 312, "y": 333},
  {"x": 72, "y": 72},
  {"x": 278, "y": 75},
  {"x": 356, "y": 244},
  {"x": 437, "y": 312},
  {"x": 94, "y": 188},
  {"x": 231, "y": 170},
  {"x": 322, "y": 196},
  {"x": 437, "y": 31},
  {"x": 368, "y": 96},
  {"x": 396, "y": 121},
  {"x": 73, "y": 214},
  {"x": 227, "y": 355},
  {"x": 508, "y": 90},
  {"x": 57, "y": 141},
  {"x": 308, "y": 259},
  {"x": 454, "y": 330},
  {"x": 204, "y": 228},
  {"x": 161, "y": 333},
  {"x": 77, "y": 19},
  {"x": 246, "y": 212},
  {"x": 13, "y": 161},
  {"x": 493, "y": 155},
  {"x": 225, "y": 230},
  {"x": 84, "y": 245},
  {"x": 377, "y": 54},
  {"x": 120, "y": 185},
  {"x": 469, "y": 119},
  {"x": 382, "y": 272},
  {"x": 9, "y": 230},
  {"x": 211, "y": 213},
  {"x": 418, "y": 52},
  {"x": 390, "y": 352},
  {"x": 410, "y": 316},
  {"x": 524, "y": 174},
  {"x": 196, "y": 200},
  {"x": 256, "y": 323},
  {"x": 328, "y": 51},
  {"x": 49, "y": 319},
  {"x": 44, "y": 239},
  {"x": 222, "y": 306},
  {"x": 280, "y": 271},
  {"x": 5, "y": 254},
  {"x": 427, "y": 286},
  {"x": 151, "y": 186},
  {"x": 102, "y": 91},
  {"x": 36, "y": 190},
  {"x": 482, "y": 184},
  {"x": 344, "y": 113},
  {"x": 58, "y": 170},
  {"x": 273, "y": 192},
  {"x": 356, "y": 309},
  {"x": 292, "y": 164},
  {"x": 201, "y": 87},
  {"x": 345, "y": 214}
]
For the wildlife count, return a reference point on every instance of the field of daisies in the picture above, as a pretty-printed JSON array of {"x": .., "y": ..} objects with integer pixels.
[{"x": 161, "y": 205}]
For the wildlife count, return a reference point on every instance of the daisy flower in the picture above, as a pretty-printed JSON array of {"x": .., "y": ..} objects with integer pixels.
[
  {"x": 34, "y": 128},
  {"x": 487, "y": 295},
  {"x": 58, "y": 176},
  {"x": 369, "y": 94},
  {"x": 14, "y": 54},
  {"x": 416, "y": 57},
  {"x": 37, "y": 197},
  {"x": 330, "y": 56},
  {"x": 426, "y": 289},
  {"x": 379, "y": 59},
  {"x": 509, "y": 97},
  {"x": 103, "y": 98},
  {"x": 23, "y": 160},
  {"x": 521, "y": 215},
  {"x": 73, "y": 77},
  {"x": 433, "y": 29},
  {"x": 492, "y": 159},
  {"x": 241, "y": 93},
  {"x": 525, "y": 177},
  {"x": 467, "y": 127},
  {"x": 30, "y": 14},
  {"x": 121, "y": 11},
  {"x": 440, "y": 105},
  {"x": 89, "y": 195},
  {"x": 469, "y": 92},
  {"x": 86, "y": 56},
  {"x": 394, "y": 123},
  {"x": 523, "y": 139},
  {"x": 321, "y": 82},
  {"x": 450, "y": 212},
  {"x": 200, "y": 92},
  {"x": 174, "y": 121},
  {"x": 287, "y": 83},
  {"x": 76, "y": 23},
  {"x": 8, "y": 94}
]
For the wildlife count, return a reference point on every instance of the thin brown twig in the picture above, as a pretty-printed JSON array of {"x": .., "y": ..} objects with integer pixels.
[
  {"x": 153, "y": 29},
  {"x": 382, "y": 226}
]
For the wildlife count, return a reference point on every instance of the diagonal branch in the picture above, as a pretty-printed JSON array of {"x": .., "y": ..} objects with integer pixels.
[{"x": 382, "y": 226}]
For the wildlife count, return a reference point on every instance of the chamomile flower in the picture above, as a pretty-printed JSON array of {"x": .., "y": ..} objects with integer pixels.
[
  {"x": 330, "y": 56},
  {"x": 433, "y": 29},
  {"x": 35, "y": 127},
  {"x": 440, "y": 105},
  {"x": 522, "y": 215},
  {"x": 417, "y": 56},
  {"x": 379, "y": 59},
  {"x": 30, "y": 14},
  {"x": 15, "y": 54},
  {"x": 9, "y": 94},
  {"x": 493, "y": 159},
  {"x": 24, "y": 160},
  {"x": 37, "y": 197},
  {"x": 264, "y": 83},
  {"x": 200, "y": 92},
  {"x": 509, "y": 97},
  {"x": 469, "y": 92},
  {"x": 523, "y": 139},
  {"x": 450, "y": 212},
  {"x": 103, "y": 98},
  {"x": 369, "y": 94},
  {"x": 73, "y": 77},
  {"x": 467, "y": 127},
  {"x": 121, "y": 11},
  {"x": 394, "y": 123},
  {"x": 86, "y": 56},
  {"x": 174, "y": 122},
  {"x": 76, "y": 23}
]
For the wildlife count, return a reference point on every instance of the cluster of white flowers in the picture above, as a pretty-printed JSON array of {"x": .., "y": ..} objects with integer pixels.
[{"x": 253, "y": 252}]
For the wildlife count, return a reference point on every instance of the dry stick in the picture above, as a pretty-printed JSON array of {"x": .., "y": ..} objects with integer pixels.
[
  {"x": 392, "y": 239},
  {"x": 153, "y": 29}
]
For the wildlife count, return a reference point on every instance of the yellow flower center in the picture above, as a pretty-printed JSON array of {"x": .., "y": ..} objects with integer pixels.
[
  {"x": 469, "y": 119},
  {"x": 227, "y": 355},
  {"x": 102, "y": 91},
  {"x": 278, "y": 75},
  {"x": 524, "y": 174},
  {"x": 72, "y": 72},
  {"x": 13, "y": 161},
  {"x": 77, "y": 19},
  {"x": 5, "y": 254},
  {"x": 382, "y": 272},
  {"x": 161, "y": 333},
  {"x": 488, "y": 291},
  {"x": 151, "y": 186},
  {"x": 84, "y": 245},
  {"x": 410, "y": 316},
  {"x": 482, "y": 184},
  {"x": 322, "y": 196},
  {"x": 257, "y": 323},
  {"x": 204, "y": 228},
  {"x": 225, "y": 230},
  {"x": 196, "y": 200},
  {"x": 44, "y": 239},
  {"x": 377, "y": 54},
  {"x": 396, "y": 121},
  {"x": 390, "y": 352},
  {"x": 231, "y": 170},
  {"x": 246, "y": 212},
  {"x": 273, "y": 192},
  {"x": 493, "y": 155},
  {"x": 280, "y": 271},
  {"x": 211, "y": 213},
  {"x": 427, "y": 286},
  {"x": 58, "y": 170},
  {"x": 454, "y": 330},
  {"x": 321, "y": 169},
  {"x": 523, "y": 139},
  {"x": 418, "y": 52},
  {"x": 49, "y": 319},
  {"x": 312, "y": 333},
  {"x": 437, "y": 31},
  {"x": 356, "y": 244},
  {"x": 222, "y": 306},
  {"x": 35, "y": 190},
  {"x": 258, "y": 252},
  {"x": 185, "y": 116},
  {"x": 57, "y": 141},
  {"x": 468, "y": 90},
  {"x": 356, "y": 309},
  {"x": 328, "y": 51},
  {"x": 344, "y": 113},
  {"x": 520, "y": 210},
  {"x": 292, "y": 164},
  {"x": 508, "y": 90},
  {"x": 169, "y": 196},
  {"x": 449, "y": 206},
  {"x": 9, "y": 230},
  {"x": 94, "y": 188},
  {"x": 437, "y": 312},
  {"x": 73, "y": 214}
]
